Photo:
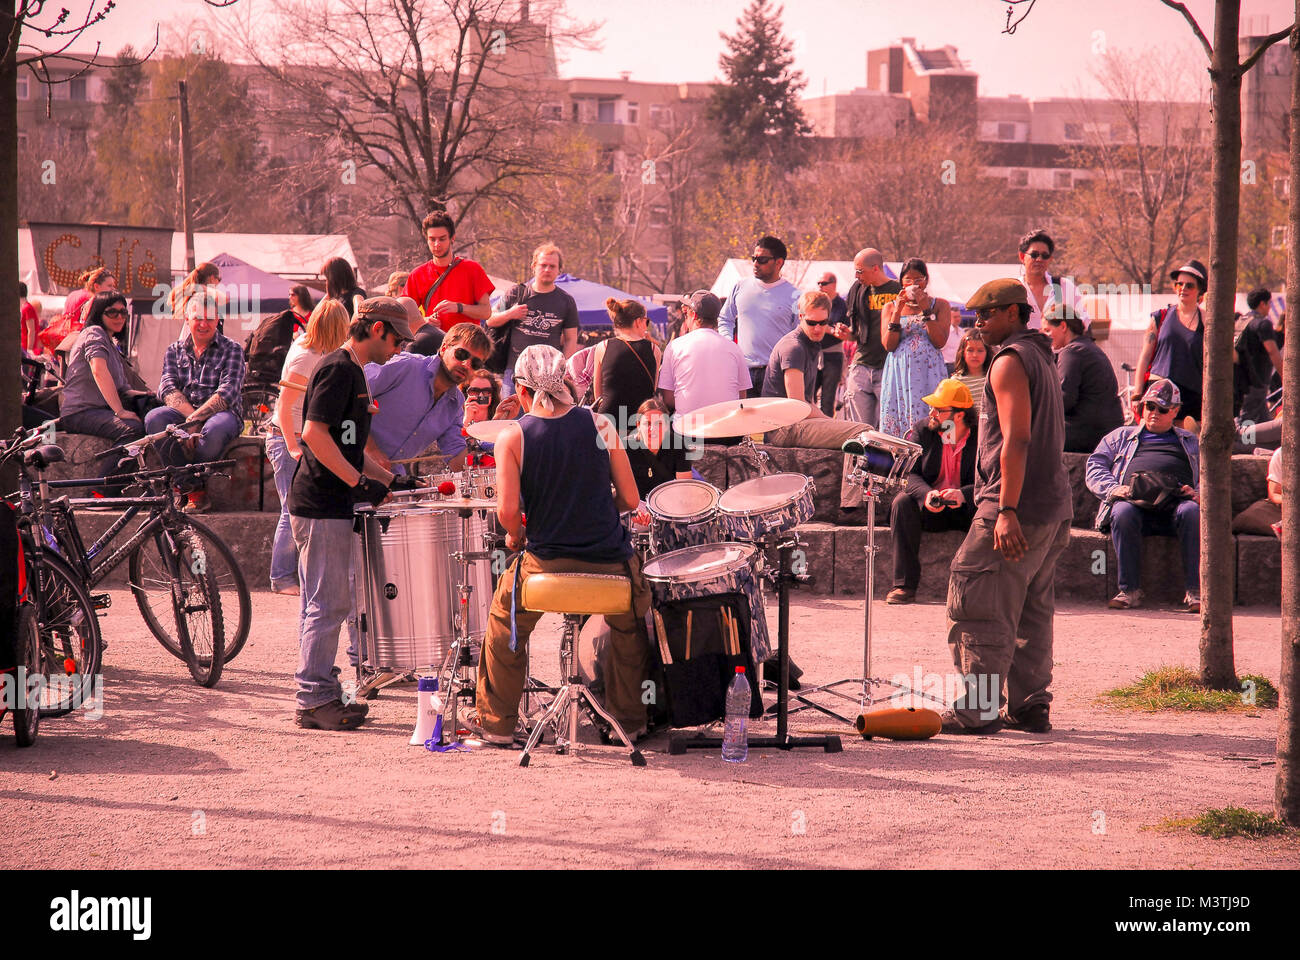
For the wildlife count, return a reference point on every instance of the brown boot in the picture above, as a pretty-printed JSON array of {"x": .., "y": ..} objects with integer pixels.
[{"x": 900, "y": 595}]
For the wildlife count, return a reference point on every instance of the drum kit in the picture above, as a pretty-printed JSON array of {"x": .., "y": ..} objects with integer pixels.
[{"x": 425, "y": 557}]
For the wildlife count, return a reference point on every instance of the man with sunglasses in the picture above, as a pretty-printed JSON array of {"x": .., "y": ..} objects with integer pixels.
[
  {"x": 870, "y": 291},
  {"x": 1171, "y": 457},
  {"x": 760, "y": 309},
  {"x": 420, "y": 401},
  {"x": 333, "y": 474},
  {"x": 1001, "y": 595},
  {"x": 1045, "y": 292}
]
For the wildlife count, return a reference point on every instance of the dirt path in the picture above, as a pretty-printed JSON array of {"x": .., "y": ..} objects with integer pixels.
[{"x": 173, "y": 775}]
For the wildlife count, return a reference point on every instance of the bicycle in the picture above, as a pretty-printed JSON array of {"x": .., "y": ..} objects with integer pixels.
[
  {"x": 64, "y": 654},
  {"x": 185, "y": 580}
]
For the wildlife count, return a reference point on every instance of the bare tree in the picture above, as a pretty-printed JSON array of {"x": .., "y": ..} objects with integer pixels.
[{"x": 1145, "y": 147}]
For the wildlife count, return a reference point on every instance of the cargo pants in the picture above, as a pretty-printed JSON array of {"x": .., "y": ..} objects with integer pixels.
[{"x": 1000, "y": 620}]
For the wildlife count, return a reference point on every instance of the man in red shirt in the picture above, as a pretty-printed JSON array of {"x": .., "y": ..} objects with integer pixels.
[{"x": 463, "y": 296}]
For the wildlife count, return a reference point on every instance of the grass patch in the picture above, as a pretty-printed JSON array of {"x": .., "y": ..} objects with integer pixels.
[
  {"x": 1226, "y": 822},
  {"x": 1180, "y": 688}
]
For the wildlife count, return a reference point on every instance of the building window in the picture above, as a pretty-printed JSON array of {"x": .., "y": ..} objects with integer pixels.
[
  {"x": 1279, "y": 238},
  {"x": 575, "y": 111},
  {"x": 22, "y": 140},
  {"x": 1062, "y": 180},
  {"x": 659, "y": 115},
  {"x": 60, "y": 90},
  {"x": 77, "y": 88},
  {"x": 605, "y": 111},
  {"x": 1281, "y": 187},
  {"x": 1118, "y": 133},
  {"x": 1006, "y": 131},
  {"x": 1074, "y": 131},
  {"x": 633, "y": 113},
  {"x": 24, "y": 92},
  {"x": 658, "y": 215},
  {"x": 552, "y": 111},
  {"x": 1018, "y": 178}
]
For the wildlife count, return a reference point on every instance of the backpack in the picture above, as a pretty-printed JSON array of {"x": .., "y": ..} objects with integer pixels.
[{"x": 267, "y": 347}]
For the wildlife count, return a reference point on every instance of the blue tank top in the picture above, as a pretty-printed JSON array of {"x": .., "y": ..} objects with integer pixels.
[
  {"x": 1180, "y": 352},
  {"x": 565, "y": 484}
]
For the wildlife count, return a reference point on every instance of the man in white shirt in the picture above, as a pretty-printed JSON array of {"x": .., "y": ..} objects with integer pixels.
[{"x": 702, "y": 366}]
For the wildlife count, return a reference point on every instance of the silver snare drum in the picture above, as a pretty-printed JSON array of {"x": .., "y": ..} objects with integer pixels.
[
  {"x": 773, "y": 504},
  {"x": 707, "y": 570},
  {"x": 683, "y": 513},
  {"x": 410, "y": 583}
]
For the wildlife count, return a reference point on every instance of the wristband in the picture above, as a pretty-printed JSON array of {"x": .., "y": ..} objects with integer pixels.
[
  {"x": 1002, "y": 510},
  {"x": 895, "y": 328}
]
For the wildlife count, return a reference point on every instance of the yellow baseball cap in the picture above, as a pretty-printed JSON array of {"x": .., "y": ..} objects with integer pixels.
[{"x": 950, "y": 393}]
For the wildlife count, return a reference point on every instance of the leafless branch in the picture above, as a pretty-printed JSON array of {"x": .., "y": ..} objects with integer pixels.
[
  {"x": 1011, "y": 9},
  {"x": 1191, "y": 20},
  {"x": 1268, "y": 41}
]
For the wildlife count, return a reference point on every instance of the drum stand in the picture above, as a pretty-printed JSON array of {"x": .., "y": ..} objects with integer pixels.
[
  {"x": 454, "y": 665},
  {"x": 782, "y": 741},
  {"x": 873, "y": 488}
]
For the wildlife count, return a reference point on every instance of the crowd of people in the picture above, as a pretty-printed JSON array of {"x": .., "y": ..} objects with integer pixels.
[{"x": 367, "y": 385}]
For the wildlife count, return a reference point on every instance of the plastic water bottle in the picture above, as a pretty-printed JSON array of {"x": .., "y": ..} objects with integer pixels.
[{"x": 735, "y": 741}]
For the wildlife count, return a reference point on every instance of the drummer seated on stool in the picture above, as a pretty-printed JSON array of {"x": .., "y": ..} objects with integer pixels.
[
  {"x": 419, "y": 399},
  {"x": 559, "y": 464},
  {"x": 941, "y": 486}
]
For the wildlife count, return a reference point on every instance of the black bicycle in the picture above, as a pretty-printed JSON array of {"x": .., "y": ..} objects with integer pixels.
[
  {"x": 59, "y": 643},
  {"x": 185, "y": 580}
]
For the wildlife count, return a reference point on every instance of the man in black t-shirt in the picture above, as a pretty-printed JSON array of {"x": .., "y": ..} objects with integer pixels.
[
  {"x": 1258, "y": 355},
  {"x": 535, "y": 312},
  {"x": 333, "y": 473},
  {"x": 871, "y": 290}
]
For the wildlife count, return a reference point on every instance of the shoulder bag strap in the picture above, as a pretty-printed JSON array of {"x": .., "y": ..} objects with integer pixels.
[{"x": 428, "y": 297}]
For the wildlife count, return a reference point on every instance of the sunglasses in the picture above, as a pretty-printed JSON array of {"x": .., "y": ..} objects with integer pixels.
[
  {"x": 463, "y": 355},
  {"x": 825, "y": 283},
  {"x": 984, "y": 313},
  {"x": 1149, "y": 406},
  {"x": 483, "y": 393},
  {"x": 762, "y": 260},
  {"x": 1184, "y": 285},
  {"x": 1036, "y": 255},
  {"x": 115, "y": 312},
  {"x": 818, "y": 323}
]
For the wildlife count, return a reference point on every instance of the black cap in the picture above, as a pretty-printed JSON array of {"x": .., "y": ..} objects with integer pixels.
[
  {"x": 1196, "y": 269},
  {"x": 705, "y": 305}
]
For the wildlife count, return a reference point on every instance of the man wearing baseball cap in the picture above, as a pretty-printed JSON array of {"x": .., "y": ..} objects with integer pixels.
[
  {"x": 940, "y": 491},
  {"x": 1001, "y": 592},
  {"x": 1147, "y": 477},
  {"x": 335, "y": 472},
  {"x": 702, "y": 366}
]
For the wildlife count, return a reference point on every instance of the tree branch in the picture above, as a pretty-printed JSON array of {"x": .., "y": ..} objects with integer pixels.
[
  {"x": 1258, "y": 52},
  {"x": 1191, "y": 20}
]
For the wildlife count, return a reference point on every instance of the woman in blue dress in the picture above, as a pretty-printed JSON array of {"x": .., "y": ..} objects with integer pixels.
[{"x": 913, "y": 329}]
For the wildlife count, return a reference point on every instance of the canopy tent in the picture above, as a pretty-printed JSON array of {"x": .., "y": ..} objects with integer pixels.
[{"x": 591, "y": 297}]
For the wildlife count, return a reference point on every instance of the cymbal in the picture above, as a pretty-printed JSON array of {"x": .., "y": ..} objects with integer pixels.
[
  {"x": 736, "y": 418},
  {"x": 488, "y": 431}
]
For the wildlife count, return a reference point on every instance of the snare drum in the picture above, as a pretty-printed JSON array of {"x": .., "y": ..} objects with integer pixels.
[
  {"x": 708, "y": 570},
  {"x": 683, "y": 513},
  {"x": 773, "y": 504},
  {"x": 409, "y": 583},
  {"x": 886, "y": 459}
]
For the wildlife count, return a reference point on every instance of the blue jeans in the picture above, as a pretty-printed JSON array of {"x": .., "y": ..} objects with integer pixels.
[
  {"x": 328, "y": 601},
  {"x": 862, "y": 394},
  {"x": 217, "y": 432},
  {"x": 284, "y": 555},
  {"x": 1129, "y": 524}
]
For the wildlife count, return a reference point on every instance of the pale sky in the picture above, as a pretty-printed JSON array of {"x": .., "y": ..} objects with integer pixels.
[{"x": 1051, "y": 53}]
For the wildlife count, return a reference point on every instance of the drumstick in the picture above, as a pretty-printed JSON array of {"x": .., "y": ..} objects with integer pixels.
[
  {"x": 664, "y": 653},
  {"x": 735, "y": 635},
  {"x": 689, "y": 615},
  {"x": 726, "y": 632},
  {"x": 722, "y": 619}
]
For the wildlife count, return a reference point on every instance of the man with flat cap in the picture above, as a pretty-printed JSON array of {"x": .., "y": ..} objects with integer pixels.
[{"x": 1001, "y": 598}]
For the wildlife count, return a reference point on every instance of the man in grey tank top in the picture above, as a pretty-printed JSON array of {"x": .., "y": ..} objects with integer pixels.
[{"x": 1002, "y": 584}]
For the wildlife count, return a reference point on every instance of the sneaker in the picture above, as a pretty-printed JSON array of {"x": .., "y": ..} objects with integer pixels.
[
  {"x": 474, "y": 731},
  {"x": 951, "y": 725},
  {"x": 288, "y": 590},
  {"x": 1191, "y": 602},
  {"x": 1031, "y": 719},
  {"x": 1126, "y": 600},
  {"x": 330, "y": 716},
  {"x": 900, "y": 595}
]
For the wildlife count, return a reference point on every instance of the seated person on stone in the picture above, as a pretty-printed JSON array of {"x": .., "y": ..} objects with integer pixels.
[
  {"x": 941, "y": 487},
  {"x": 202, "y": 375},
  {"x": 1088, "y": 386},
  {"x": 96, "y": 396},
  {"x": 420, "y": 401},
  {"x": 1264, "y": 517},
  {"x": 1147, "y": 477}
]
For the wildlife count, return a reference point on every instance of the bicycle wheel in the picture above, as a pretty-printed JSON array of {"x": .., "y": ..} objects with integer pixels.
[
  {"x": 258, "y": 401},
  {"x": 151, "y": 583},
  {"x": 27, "y": 714},
  {"x": 70, "y": 642},
  {"x": 196, "y": 609}
]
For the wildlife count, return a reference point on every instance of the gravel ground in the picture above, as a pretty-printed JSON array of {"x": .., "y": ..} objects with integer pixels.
[{"x": 174, "y": 776}]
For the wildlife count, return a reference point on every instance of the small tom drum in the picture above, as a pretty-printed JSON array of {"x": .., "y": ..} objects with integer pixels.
[
  {"x": 773, "y": 504},
  {"x": 683, "y": 513}
]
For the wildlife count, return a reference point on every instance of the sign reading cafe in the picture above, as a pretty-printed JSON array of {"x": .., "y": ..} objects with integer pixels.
[{"x": 139, "y": 257}]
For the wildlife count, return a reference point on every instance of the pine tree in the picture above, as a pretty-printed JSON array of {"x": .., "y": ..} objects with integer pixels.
[{"x": 756, "y": 112}]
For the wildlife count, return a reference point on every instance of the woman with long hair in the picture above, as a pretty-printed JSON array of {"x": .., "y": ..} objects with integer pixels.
[
  {"x": 95, "y": 397},
  {"x": 913, "y": 329},
  {"x": 656, "y": 454},
  {"x": 327, "y": 328},
  {"x": 95, "y": 281},
  {"x": 204, "y": 275},
  {"x": 971, "y": 367},
  {"x": 482, "y": 396},
  {"x": 626, "y": 370},
  {"x": 341, "y": 284}
]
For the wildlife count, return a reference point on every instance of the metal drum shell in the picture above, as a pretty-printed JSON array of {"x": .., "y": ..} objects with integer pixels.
[
  {"x": 707, "y": 570},
  {"x": 786, "y": 511}
]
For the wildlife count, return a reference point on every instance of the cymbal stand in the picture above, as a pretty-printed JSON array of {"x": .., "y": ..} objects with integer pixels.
[
  {"x": 782, "y": 741},
  {"x": 873, "y": 488},
  {"x": 454, "y": 665},
  {"x": 760, "y": 457}
]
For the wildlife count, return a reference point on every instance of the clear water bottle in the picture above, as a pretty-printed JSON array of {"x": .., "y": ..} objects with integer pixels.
[{"x": 735, "y": 741}]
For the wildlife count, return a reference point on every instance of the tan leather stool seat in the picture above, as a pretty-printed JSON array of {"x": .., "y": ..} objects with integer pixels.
[{"x": 577, "y": 593}]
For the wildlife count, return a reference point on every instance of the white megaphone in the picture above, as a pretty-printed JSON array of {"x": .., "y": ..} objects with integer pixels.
[{"x": 428, "y": 716}]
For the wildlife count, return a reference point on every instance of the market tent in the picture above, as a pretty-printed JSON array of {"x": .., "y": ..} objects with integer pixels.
[{"x": 295, "y": 257}]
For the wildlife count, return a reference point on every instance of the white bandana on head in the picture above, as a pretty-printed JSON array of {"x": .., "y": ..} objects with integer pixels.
[{"x": 541, "y": 369}]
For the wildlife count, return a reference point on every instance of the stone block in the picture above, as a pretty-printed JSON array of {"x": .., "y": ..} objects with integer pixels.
[
  {"x": 817, "y": 541},
  {"x": 1085, "y": 504},
  {"x": 1249, "y": 481},
  {"x": 712, "y": 465},
  {"x": 80, "y": 453},
  {"x": 1085, "y": 572},
  {"x": 1259, "y": 570}
]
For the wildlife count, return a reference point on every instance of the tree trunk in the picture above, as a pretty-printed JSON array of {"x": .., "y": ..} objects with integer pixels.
[
  {"x": 1286, "y": 794},
  {"x": 1218, "y": 551},
  {"x": 10, "y": 404}
]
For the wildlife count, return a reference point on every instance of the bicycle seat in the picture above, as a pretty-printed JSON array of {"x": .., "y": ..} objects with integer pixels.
[{"x": 43, "y": 456}]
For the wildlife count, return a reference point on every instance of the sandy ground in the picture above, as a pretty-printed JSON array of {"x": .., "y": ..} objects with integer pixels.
[{"x": 176, "y": 776}]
